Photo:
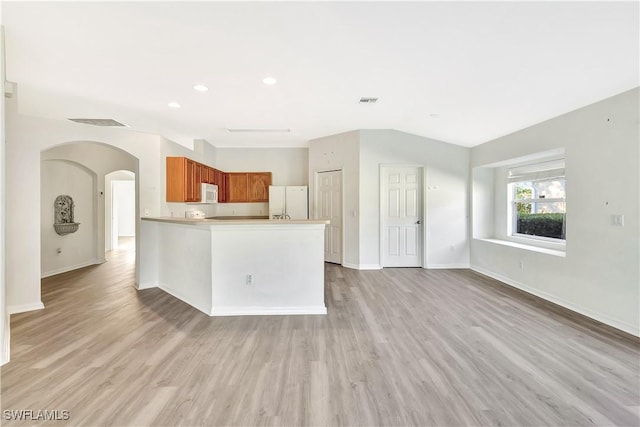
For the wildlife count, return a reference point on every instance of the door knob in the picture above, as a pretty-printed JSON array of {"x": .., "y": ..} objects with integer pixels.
[{"x": 418, "y": 222}]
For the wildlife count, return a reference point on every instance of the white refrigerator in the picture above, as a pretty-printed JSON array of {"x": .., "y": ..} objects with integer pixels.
[{"x": 288, "y": 202}]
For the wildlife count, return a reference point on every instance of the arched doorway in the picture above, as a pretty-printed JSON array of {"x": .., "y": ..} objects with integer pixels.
[{"x": 102, "y": 161}]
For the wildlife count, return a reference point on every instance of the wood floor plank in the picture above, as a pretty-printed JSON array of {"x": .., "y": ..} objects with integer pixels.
[{"x": 398, "y": 347}]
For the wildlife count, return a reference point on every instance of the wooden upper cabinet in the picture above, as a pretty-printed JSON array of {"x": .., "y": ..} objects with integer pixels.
[
  {"x": 185, "y": 175},
  {"x": 247, "y": 187},
  {"x": 220, "y": 179},
  {"x": 182, "y": 180},
  {"x": 211, "y": 175},
  {"x": 193, "y": 180},
  {"x": 259, "y": 183},
  {"x": 237, "y": 187}
]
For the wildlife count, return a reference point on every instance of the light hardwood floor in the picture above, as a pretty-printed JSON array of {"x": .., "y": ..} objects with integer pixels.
[{"x": 398, "y": 347}]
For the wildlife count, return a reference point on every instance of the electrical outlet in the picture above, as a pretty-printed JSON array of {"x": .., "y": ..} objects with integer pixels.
[
  {"x": 146, "y": 212},
  {"x": 249, "y": 280},
  {"x": 521, "y": 265}
]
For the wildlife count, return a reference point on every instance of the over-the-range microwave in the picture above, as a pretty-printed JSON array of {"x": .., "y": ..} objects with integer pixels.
[{"x": 208, "y": 193}]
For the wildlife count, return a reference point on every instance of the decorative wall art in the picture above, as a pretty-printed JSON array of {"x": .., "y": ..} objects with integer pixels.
[{"x": 64, "y": 224}]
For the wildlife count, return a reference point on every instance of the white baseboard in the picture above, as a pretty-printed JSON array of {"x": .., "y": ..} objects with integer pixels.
[
  {"x": 362, "y": 266},
  {"x": 5, "y": 344},
  {"x": 145, "y": 285},
  {"x": 94, "y": 261},
  {"x": 447, "y": 266},
  {"x": 267, "y": 311},
  {"x": 23, "y": 308},
  {"x": 195, "y": 304},
  {"x": 603, "y": 318}
]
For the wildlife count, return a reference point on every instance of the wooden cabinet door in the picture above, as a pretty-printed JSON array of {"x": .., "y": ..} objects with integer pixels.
[
  {"x": 175, "y": 179},
  {"x": 238, "y": 187},
  {"x": 259, "y": 183},
  {"x": 211, "y": 175},
  {"x": 192, "y": 181},
  {"x": 220, "y": 181}
]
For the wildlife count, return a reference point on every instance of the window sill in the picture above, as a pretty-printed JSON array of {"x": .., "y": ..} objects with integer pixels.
[{"x": 531, "y": 248}]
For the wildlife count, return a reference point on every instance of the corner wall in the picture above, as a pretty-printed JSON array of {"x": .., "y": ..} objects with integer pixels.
[
  {"x": 335, "y": 152},
  {"x": 26, "y": 138},
  {"x": 76, "y": 249},
  {"x": 600, "y": 275},
  {"x": 446, "y": 188}
]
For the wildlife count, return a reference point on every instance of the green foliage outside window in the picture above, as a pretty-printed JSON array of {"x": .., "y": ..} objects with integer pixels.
[
  {"x": 523, "y": 193},
  {"x": 541, "y": 224}
]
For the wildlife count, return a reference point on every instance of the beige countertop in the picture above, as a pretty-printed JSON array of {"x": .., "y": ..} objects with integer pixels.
[{"x": 233, "y": 220}]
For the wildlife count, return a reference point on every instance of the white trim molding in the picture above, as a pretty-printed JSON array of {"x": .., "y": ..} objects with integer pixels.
[
  {"x": 267, "y": 311},
  {"x": 623, "y": 326},
  {"x": 145, "y": 285},
  {"x": 447, "y": 266},
  {"x": 71, "y": 268},
  {"x": 23, "y": 308},
  {"x": 362, "y": 266}
]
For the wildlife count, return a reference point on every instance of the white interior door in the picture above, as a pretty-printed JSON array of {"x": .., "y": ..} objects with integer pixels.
[
  {"x": 401, "y": 206},
  {"x": 329, "y": 206}
]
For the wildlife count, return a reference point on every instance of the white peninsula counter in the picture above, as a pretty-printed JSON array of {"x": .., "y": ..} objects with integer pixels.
[{"x": 236, "y": 267}]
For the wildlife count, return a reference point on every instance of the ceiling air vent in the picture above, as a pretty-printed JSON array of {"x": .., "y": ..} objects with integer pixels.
[
  {"x": 368, "y": 100},
  {"x": 99, "y": 122},
  {"x": 259, "y": 130}
]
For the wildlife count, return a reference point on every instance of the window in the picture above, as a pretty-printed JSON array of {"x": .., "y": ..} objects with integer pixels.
[{"x": 538, "y": 206}]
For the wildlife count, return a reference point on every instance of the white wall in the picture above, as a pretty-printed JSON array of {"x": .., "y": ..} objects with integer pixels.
[
  {"x": 285, "y": 261},
  {"x": 359, "y": 154},
  {"x": 288, "y": 166},
  {"x": 102, "y": 160},
  {"x": 26, "y": 138},
  {"x": 4, "y": 315},
  {"x": 342, "y": 152},
  {"x": 77, "y": 249},
  {"x": 446, "y": 169},
  {"x": 600, "y": 275}
]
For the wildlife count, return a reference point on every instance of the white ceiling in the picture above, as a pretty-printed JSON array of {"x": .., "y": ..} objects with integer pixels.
[{"x": 487, "y": 69}]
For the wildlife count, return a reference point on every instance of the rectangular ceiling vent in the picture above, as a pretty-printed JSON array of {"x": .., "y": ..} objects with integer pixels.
[
  {"x": 368, "y": 100},
  {"x": 269, "y": 130},
  {"x": 100, "y": 122}
]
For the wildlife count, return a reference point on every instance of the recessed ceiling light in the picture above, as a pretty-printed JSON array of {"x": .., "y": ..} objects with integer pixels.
[
  {"x": 173, "y": 105},
  {"x": 200, "y": 88},
  {"x": 368, "y": 100},
  {"x": 269, "y": 81},
  {"x": 434, "y": 115}
]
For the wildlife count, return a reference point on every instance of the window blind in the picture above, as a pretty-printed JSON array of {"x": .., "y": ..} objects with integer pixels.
[{"x": 536, "y": 172}]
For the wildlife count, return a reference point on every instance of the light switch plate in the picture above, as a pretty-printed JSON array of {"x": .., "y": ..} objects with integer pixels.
[{"x": 617, "y": 220}]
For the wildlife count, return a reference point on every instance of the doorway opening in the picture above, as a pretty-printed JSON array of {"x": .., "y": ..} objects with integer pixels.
[{"x": 120, "y": 211}]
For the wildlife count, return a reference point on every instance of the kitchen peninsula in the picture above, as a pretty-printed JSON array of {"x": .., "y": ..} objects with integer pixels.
[{"x": 230, "y": 267}]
